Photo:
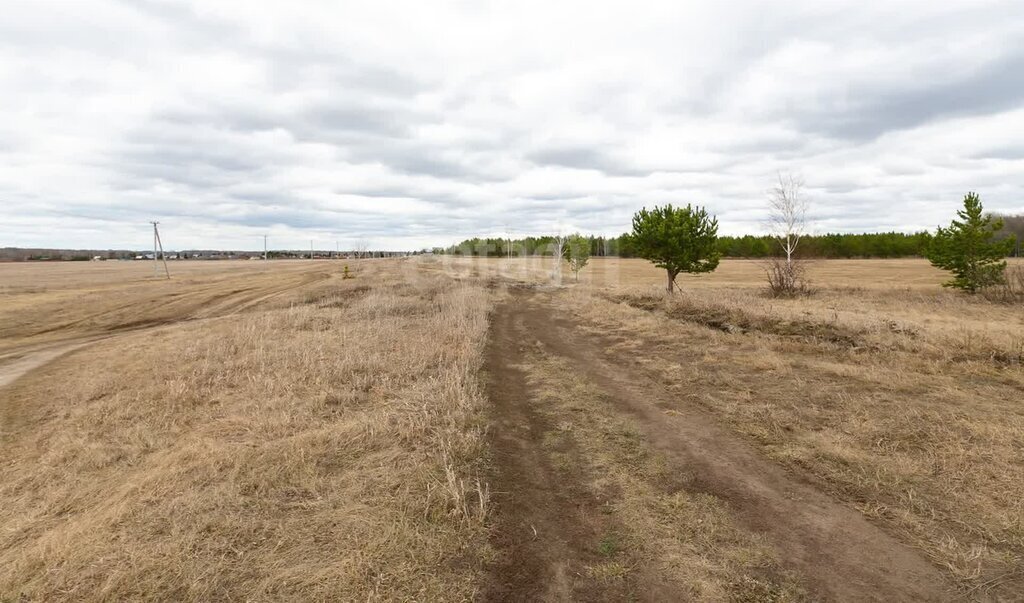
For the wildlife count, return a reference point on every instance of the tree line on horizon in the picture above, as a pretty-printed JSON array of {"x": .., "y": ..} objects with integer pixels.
[
  {"x": 974, "y": 247},
  {"x": 825, "y": 246}
]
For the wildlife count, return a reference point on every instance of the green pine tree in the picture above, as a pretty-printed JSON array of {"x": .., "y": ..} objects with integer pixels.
[
  {"x": 578, "y": 254},
  {"x": 967, "y": 248},
  {"x": 682, "y": 239}
]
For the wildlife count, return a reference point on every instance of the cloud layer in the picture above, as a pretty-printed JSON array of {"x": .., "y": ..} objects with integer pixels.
[{"x": 402, "y": 125}]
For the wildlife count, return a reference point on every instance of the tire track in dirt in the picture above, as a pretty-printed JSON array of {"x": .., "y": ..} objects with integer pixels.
[
  {"x": 837, "y": 553},
  {"x": 545, "y": 524}
]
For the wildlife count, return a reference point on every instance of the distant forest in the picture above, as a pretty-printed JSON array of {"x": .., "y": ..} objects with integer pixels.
[{"x": 868, "y": 245}]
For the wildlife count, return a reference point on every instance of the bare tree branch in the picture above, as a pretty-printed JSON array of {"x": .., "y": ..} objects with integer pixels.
[
  {"x": 558, "y": 247},
  {"x": 787, "y": 220}
]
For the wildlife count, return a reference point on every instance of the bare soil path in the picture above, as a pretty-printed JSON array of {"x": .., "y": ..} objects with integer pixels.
[
  {"x": 543, "y": 529},
  {"x": 547, "y": 524}
]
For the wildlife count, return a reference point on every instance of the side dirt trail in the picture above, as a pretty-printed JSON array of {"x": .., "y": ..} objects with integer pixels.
[{"x": 607, "y": 486}]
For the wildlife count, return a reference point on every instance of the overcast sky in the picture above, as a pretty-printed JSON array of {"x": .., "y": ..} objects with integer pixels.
[{"x": 402, "y": 125}]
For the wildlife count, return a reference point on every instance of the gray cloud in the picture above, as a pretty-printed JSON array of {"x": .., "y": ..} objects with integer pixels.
[
  {"x": 874, "y": 111},
  {"x": 326, "y": 123},
  {"x": 332, "y": 121},
  {"x": 1006, "y": 152},
  {"x": 584, "y": 158}
]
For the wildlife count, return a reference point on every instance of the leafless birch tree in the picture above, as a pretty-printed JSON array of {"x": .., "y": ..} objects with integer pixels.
[
  {"x": 787, "y": 222},
  {"x": 788, "y": 218},
  {"x": 362, "y": 248},
  {"x": 558, "y": 248}
]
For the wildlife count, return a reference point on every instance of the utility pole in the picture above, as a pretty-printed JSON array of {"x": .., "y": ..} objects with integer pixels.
[
  {"x": 156, "y": 258},
  {"x": 264, "y": 248},
  {"x": 337, "y": 249},
  {"x": 311, "y": 249},
  {"x": 158, "y": 245}
]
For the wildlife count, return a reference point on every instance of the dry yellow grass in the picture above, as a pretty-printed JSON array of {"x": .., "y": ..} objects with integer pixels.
[
  {"x": 42, "y": 303},
  {"x": 903, "y": 401},
  {"x": 18, "y": 277},
  {"x": 324, "y": 450},
  {"x": 897, "y": 396},
  {"x": 884, "y": 275},
  {"x": 274, "y": 432}
]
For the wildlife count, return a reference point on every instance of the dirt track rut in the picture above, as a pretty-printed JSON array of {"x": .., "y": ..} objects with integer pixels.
[{"x": 543, "y": 531}]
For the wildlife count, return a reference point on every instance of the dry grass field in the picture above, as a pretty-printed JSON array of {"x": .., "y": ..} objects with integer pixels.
[
  {"x": 901, "y": 274},
  {"x": 45, "y": 303},
  {"x": 459, "y": 429},
  {"x": 899, "y": 398},
  {"x": 324, "y": 444}
]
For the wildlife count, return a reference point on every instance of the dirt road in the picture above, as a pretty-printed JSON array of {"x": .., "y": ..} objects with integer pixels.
[{"x": 552, "y": 509}]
